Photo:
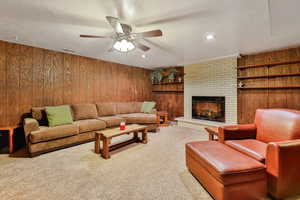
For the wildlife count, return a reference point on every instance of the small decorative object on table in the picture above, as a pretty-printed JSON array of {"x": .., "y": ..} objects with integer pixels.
[
  {"x": 122, "y": 126},
  {"x": 162, "y": 118}
]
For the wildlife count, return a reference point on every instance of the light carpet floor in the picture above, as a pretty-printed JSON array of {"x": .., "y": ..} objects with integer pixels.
[
  {"x": 137, "y": 172},
  {"x": 154, "y": 171}
]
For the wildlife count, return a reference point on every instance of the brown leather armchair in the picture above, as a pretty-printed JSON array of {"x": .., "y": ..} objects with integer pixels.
[{"x": 273, "y": 139}]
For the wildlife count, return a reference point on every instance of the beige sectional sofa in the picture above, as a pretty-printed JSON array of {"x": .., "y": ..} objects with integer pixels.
[{"x": 88, "y": 118}]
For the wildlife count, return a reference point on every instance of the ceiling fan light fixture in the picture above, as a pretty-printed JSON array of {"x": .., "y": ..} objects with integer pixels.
[{"x": 124, "y": 46}]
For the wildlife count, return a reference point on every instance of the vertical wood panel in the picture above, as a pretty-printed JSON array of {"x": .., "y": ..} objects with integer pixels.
[
  {"x": 58, "y": 82},
  {"x": 3, "y": 93},
  {"x": 26, "y": 79},
  {"x": 68, "y": 75},
  {"x": 37, "y": 77},
  {"x": 13, "y": 83},
  {"x": 48, "y": 78}
]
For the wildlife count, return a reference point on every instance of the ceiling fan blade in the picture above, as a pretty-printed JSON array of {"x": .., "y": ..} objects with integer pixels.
[
  {"x": 141, "y": 46},
  {"x": 126, "y": 28},
  {"x": 92, "y": 36},
  {"x": 154, "y": 33},
  {"x": 114, "y": 22}
]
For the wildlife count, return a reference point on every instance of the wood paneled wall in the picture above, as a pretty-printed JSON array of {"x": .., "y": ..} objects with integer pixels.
[
  {"x": 170, "y": 97},
  {"x": 37, "y": 77},
  {"x": 280, "y": 90}
]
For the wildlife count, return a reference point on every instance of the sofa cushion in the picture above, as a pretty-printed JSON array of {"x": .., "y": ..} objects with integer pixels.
[
  {"x": 84, "y": 111},
  {"x": 112, "y": 121},
  {"x": 125, "y": 107},
  {"x": 90, "y": 125},
  {"x": 225, "y": 164},
  {"x": 147, "y": 106},
  {"x": 106, "y": 109},
  {"x": 139, "y": 118},
  {"x": 59, "y": 115},
  {"x": 51, "y": 133},
  {"x": 253, "y": 148},
  {"x": 137, "y": 106},
  {"x": 39, "y": 113}
]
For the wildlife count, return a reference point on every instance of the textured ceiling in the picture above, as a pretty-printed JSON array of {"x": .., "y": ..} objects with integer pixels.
[{"x": 243, "y": 26}]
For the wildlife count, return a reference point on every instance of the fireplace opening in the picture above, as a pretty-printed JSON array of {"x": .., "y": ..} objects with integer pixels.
[{"x": 208, "y": 108}]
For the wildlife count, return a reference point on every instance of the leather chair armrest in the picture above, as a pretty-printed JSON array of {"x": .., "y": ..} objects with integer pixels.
[
  {"x": 29, "y": 125},
  {"x": 283, "y": 164},
  {"x": 237, "y": 132}
]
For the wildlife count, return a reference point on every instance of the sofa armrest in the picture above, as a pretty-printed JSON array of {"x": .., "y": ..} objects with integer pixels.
[
  {"x": 236, "y": 132},
  {"x": 282, "y": 162},
  {"x": 153, "y": 111},
  {"x": 30, "y": 125}
]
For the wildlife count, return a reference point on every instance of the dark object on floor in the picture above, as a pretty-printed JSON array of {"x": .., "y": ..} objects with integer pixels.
[{"x": 4, "y": 144}]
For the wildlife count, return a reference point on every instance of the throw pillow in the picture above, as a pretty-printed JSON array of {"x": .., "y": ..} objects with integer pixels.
[
  {"x": 59, "y": 115},
  {"x": 149, "y": 107},
  {"x": 144, "y": 105}
]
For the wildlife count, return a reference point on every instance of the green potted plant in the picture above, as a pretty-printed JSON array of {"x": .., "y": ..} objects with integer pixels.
[
  {"x": 171, "y": 76},
  {"x": 156, "y": 76}
]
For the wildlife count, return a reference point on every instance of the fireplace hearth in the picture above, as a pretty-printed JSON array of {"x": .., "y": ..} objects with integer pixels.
[{"x": 208, "y": 108}]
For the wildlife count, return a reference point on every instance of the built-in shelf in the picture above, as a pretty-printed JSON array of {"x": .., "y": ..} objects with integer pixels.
[
  {"x": 168, "y": 83},
  {"x": 270, "y": 64},
  {"x": 271, "y": 87},
  {"x": 269, "y": 76},
  {"x": 167, "y": 91}
]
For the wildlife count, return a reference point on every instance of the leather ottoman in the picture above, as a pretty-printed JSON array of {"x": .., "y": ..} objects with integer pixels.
[{"x": 226, "y": 173}]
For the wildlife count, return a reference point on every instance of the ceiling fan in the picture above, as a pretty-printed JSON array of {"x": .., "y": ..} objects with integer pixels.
[{"x": 125, "y": 39}]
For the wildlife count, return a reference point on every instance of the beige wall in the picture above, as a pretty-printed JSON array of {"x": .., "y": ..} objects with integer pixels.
[{"x": 212, "y": 78}]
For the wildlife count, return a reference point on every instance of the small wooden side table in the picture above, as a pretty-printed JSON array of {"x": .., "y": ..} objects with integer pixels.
[
  {"x": 212, "y": 131},
  {"x": 164, "y": 116},
  {"x": 10, "y": 130}
]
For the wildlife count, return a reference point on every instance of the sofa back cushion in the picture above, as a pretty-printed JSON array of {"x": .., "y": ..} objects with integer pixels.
[
  {"x": 39, "y": 113},
  {"x": 106, "y": 109},
  {"x": 275, "y": 125},
  {"x": 84, "y": 111},
  {"x": 137, "y": 107},
  {"x": 125, "y": 107}
]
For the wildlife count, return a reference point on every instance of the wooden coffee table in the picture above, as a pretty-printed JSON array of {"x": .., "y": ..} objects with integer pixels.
[{"x": 106, "y": 135}]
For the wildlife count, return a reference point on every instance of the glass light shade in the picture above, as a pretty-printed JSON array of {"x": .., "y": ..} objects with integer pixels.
[{"x": 124, "y": 46}]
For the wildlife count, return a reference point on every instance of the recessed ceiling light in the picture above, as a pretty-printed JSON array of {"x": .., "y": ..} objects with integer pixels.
[
  {"x": 210, "y": 36},
  {"x": 143, "y": 56}
]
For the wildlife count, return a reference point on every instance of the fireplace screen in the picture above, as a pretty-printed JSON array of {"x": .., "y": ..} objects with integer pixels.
[{"x": 208, "y": 108}]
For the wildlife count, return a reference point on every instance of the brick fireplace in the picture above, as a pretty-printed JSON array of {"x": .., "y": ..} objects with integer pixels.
[{"x": 215, "y": 82}]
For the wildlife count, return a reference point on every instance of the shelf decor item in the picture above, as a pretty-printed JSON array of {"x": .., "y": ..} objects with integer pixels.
[
  {"x": 156, "y": 76},
  {"x": 241, "y": 84},
  {"x": 171, "y": 76}
]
